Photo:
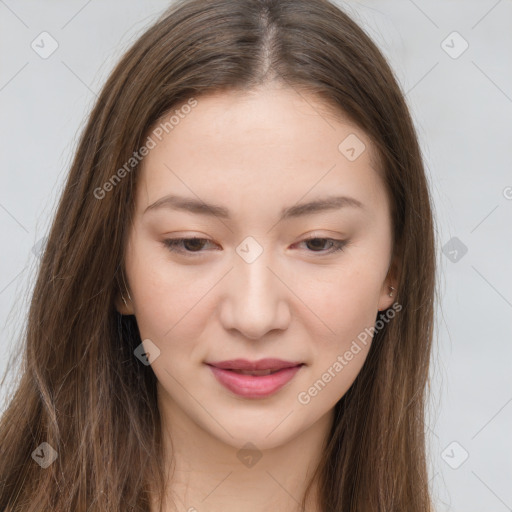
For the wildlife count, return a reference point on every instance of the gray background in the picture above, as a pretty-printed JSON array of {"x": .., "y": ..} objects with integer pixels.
[{"x": 462, "y": 107}]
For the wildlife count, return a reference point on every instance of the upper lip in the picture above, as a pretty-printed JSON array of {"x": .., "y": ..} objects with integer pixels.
[{"x": 262, "y": 364}]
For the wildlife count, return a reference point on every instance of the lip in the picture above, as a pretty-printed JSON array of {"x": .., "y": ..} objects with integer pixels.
[
  {"x": 262, "y": 364},
  {"x": 254, "y": 386}
]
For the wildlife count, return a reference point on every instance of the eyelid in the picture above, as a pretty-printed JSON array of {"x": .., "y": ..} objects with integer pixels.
[
  {"x": 169, "y": 243},
  {"x": 337, "y": 245}
]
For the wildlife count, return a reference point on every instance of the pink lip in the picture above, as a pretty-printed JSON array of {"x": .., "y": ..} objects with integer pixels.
[
  {"x": 254, "y": 386},
  {"x": 262, "y": 364}
]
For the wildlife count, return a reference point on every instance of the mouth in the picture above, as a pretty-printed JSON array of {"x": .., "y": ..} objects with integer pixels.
[
  {"x": 257, "y": 373},
  {"x": 254, "y": 379}
]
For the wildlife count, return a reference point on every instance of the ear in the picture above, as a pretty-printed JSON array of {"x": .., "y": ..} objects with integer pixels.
[{"x": 385, "y": 301}]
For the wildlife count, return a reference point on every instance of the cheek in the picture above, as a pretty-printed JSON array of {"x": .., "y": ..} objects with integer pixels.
[
  {"x": 166, "y": 293},
  {"x": 347, "y": 304},
  {"x": 344, "y": 299},
  {"x": 339, "y": 356}
]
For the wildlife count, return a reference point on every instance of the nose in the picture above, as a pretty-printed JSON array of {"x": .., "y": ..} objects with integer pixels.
[{"x": 256, "y": 300}]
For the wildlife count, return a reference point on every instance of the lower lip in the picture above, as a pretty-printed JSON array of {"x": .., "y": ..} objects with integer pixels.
[{"x": 253, "y": 386}]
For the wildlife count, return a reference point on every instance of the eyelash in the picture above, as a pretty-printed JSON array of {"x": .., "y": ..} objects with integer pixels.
[{"x": 171, "y": 243}]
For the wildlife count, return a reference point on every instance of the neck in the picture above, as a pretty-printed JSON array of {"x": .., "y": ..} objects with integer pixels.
[{"x": 205, "y": 473}]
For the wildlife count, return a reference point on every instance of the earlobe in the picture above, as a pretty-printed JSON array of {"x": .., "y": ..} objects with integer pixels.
[
  {"x": 387, "y": 298},
  {"x": 389, "y": 289}
]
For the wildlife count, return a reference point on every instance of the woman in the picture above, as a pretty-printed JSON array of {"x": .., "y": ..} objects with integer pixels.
[{"x": 235, "y": 304}]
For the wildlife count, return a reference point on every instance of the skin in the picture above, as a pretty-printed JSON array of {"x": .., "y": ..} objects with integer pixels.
[{"x": 255, "y": 153}]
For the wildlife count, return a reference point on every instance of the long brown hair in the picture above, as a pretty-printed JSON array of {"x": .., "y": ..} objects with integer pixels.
[{"x": 81, "y": 389}]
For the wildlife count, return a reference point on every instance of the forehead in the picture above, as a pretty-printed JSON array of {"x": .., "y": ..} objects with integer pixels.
[{"x": 267, "y": 146}]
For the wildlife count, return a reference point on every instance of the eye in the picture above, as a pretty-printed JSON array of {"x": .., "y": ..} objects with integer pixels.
[
  {"x": 194, "y": 245},
  {"x": 335, "y": 245}
]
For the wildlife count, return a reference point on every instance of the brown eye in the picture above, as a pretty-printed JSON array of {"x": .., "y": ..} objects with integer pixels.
[
  {"x": 186, "y": 245},
  {"x": 317, "y": 243},
  {"x": 194, "y": 245}
]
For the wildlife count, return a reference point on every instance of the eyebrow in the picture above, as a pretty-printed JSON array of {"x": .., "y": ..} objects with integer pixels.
[{"x": 299, "y": 210}]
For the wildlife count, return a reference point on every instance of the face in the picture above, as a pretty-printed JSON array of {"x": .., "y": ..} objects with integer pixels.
[{"x": 251, "y": 286}]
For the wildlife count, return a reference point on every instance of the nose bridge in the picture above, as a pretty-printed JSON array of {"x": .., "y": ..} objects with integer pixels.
[{"x": 256, "y": 297}]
